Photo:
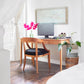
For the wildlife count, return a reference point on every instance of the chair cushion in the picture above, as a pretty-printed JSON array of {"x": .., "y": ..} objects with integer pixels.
[{"x": 32, "y": 51}]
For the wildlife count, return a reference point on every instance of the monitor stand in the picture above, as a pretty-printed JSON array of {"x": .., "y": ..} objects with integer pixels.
[{"x": 46, "y": 36}]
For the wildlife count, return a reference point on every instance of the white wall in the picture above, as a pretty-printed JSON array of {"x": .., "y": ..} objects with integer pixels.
[
  {"x": 82, "y": 32},
  {"x": 74, "y": 20},
  {"x": 74, "y": 14}
]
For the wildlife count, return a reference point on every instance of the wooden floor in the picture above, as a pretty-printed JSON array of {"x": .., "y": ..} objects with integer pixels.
[{"x": 29, "y": 76}]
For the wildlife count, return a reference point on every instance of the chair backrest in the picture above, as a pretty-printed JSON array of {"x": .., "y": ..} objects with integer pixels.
[
  {"x": 28, "y": 40},
  {"x": 33, "y": 40}
]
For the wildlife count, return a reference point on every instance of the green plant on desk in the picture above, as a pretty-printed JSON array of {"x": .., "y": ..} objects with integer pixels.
[
  {"x": 72, "y": 58},
  {"x": 69, "y": 45}
]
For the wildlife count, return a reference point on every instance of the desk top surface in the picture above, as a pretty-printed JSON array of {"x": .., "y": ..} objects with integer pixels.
[{"x": 54, "y": 41}]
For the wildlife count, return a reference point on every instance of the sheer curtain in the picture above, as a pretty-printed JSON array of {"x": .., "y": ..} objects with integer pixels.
[
  {"x": 14, "y": 30},
  {"x": 8, "y": 9}
]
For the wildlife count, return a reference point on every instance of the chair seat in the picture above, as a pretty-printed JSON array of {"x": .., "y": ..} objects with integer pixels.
[{"x": 32, "y": 51}]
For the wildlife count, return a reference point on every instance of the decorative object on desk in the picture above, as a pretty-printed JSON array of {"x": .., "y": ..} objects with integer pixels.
[
  {"x": 62, "y": 35},
  {"x": 31, "y": 27},
  {"x": 70, "y": 56}
]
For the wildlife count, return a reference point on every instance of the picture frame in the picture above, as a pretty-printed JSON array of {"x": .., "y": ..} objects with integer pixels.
[{"x": 52, "y": 15}]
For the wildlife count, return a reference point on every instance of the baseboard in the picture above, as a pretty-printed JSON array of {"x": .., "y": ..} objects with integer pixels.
[
  {"x": 54, "y": 61},
  {"x": 42, "y": 59}
]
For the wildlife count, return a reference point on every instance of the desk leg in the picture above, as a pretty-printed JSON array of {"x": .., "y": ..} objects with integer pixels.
[
  {"x": 20, "y": 53},
  {"x": 61, "y": 59}
]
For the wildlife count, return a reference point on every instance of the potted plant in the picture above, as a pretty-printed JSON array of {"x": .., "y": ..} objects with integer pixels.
[{"x": 72, "y": 58}]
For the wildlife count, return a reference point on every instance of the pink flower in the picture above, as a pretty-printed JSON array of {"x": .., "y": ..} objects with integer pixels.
[
  {"x": 35, "y": 26},
  {"x": 28, "y": 28},
  {"x": 25, "y": 26},
  {"x": 31, "y": 24}
]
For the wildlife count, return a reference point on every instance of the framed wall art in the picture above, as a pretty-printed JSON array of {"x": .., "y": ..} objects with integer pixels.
[{"x": 52, "y": 15}]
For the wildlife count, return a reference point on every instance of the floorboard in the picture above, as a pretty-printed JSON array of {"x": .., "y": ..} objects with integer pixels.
[{"x": 29, "y": 76}]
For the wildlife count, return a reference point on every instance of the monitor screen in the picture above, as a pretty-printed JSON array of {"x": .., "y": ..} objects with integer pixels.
[{"x": 46, "y": 29}]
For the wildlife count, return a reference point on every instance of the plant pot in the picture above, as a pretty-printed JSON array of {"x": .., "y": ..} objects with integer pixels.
[{"x": 72, "y": 60}]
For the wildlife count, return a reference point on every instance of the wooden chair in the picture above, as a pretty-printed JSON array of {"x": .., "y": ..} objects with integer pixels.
[{"x": 35, "y": 52}]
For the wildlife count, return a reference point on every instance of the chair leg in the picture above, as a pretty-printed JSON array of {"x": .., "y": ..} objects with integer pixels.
[
  {"x": 24, "y": 62},
  {"x": 49, "y": 61},
  {"x": 33, "y": 61},
  {"x": 36, "y": 64}
]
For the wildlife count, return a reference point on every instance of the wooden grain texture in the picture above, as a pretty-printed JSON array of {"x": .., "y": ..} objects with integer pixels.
[
  {"x": 61, "y": 59},
  {"x": 29, "y": 76},
  {"x": 55, "y": 41},
  {"x": 71, "y": 61},
  {"x": 47, "y": 41},
  {"x": 36, "y": 41}
]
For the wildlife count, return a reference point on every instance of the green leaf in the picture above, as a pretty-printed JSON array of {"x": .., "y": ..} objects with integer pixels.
[
  {"x": 61, "y": 35},
  {"x": 59, "y": 46},
  {"x": 64, "y": 43},
  {"x": 78, "y": 43},
  {"x": 69, "y": 49},
  {"x": 73, "y": 33}
]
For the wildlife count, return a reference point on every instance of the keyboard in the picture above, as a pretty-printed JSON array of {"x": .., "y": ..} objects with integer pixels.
[{"x": 54, "y": 38}]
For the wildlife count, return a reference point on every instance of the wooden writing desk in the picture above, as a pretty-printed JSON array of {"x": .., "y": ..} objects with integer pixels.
[{"x": 50, "y": 41}]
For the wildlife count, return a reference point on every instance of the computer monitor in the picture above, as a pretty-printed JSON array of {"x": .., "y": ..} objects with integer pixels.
[{"x": 46, "y": 29}]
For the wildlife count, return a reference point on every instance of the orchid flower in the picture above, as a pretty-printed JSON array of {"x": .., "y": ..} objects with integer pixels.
[
  {"x": 31, "y": 24},
  {"x": 25, "y": 26},
  {"x": 35, "y": 26},
  {"x": 28, "y": 28}
]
